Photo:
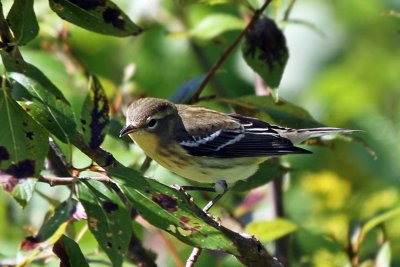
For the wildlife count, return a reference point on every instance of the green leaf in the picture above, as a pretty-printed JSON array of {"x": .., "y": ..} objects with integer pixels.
[
  {"x": 170, "y": 210},
  {"x": 187, "y": 90},
  {"x": 63, "y": 213},
  {"x": 103, "y": 17},
  {"x": 108, "y": 219},
  {"x": 94, "y": 118},
  {"x": 22, "y": 21},
  {"x": 41, "y": 99},
  {"x": 54, "y": 227},
  {"x": 265, "y": 51},
  {"x": 282, "y": 112},
  {"x": 23, "y": 143},
  {"x": 69, "y": 253},
  {"x": 271, "y": 230},
  {"x": 216, "y": 24},
  {"x": 372, "y": 223},
  {"x": 267, "y": 171},
  {"x": 23, "y": 192}
]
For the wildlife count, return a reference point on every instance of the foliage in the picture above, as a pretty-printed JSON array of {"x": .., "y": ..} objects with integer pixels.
[{"x": 68, "y": 75}]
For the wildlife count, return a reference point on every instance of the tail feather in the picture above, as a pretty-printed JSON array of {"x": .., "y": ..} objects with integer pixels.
[{"x": 300, "y": 135}]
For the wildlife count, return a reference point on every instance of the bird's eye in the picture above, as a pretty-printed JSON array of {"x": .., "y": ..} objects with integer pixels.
[{"x": 152, "y": 123}]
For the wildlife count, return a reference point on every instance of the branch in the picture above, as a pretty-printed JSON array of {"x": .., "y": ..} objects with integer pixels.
[
  {"x": 282, "y": 243},
  {"x": 193, "y": 257},
  {"x": 199, "y": 54},
  {"x": 288, "y": 10},
  {"x": 227, "y": 52},
  {"x": 250, "y": 250},
  {"x": 70, "y": 180}
]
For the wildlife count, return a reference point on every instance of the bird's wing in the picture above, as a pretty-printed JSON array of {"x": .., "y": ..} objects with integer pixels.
[{"x": 234, "y": 136}]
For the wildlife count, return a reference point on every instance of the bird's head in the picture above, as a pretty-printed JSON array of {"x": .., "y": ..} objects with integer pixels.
[{"x": 149, "y": 116}]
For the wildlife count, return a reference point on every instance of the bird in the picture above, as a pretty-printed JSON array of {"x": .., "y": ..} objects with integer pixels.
[{"x": 208, "y": 146}]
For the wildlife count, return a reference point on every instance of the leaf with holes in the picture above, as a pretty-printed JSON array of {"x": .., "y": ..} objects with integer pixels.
[
  {"x": 94, "y": 118},
  {"x": 22, "y": 21},
  {"x": 170, "y": 210},
  {"x": 23, "y": 143},
  {"x": 265, "y": 51},
  {"x": 99, "y": 16},
  {"x": 69, "y": 253},
  {"x": 41, "y": 99},
  {"x": 108, "y": 219}
]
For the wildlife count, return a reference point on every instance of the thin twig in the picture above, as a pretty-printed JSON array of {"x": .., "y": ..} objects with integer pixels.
[
  {"x": 193, "y": 257},
  {"x": 227, "y": 52},
  {"x": 199, "y": 54},
  {"x": 51, "y": 180},
  {"x": 145, "y": 165},
  {"x": 282, "y": 243},
  {"x": 288, "y": 10}
]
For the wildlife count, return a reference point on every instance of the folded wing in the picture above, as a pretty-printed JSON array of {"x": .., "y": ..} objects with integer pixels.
[{"x": 252, "y": 138}]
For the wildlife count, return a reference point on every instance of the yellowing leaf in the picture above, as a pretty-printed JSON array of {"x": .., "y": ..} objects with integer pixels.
[{"x": 271, "y": 230}]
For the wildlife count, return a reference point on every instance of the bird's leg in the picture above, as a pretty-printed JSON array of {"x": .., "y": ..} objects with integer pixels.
[{"x": 220, "y": 187}]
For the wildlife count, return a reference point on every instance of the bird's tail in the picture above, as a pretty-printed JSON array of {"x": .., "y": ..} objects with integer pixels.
[{"x": 299, "y": 135}]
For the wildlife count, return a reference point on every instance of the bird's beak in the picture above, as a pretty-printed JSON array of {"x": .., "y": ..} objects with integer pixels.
[{"x": 127, "y": 130}]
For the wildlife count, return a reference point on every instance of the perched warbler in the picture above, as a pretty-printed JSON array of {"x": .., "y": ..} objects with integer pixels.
[{"x": 209, "y": 146}]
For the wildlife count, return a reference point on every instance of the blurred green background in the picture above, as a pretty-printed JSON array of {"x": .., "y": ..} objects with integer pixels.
[{"x": 344, "y": 68}]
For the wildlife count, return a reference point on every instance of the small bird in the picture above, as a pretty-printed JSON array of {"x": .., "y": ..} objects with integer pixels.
[{"x": 207, "y": 146}]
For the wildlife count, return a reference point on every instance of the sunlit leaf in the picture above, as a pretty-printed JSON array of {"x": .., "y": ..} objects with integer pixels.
[
  {"x": 22, "y": 21},
  {"x": 94, "y": 118},
  {"x": 213, "y": 25},
  {"x": 103, "y": 17},
  {"x": 23, "y": 143},
  {"x": 168, "y": 209},
  {"x": 69, "y": 253},
  {"x": 375, "y": 221},
  {"x": 108, "y": 219},
  {"x": 265, "y": 51},
  {"x": 271, "y": 230}
]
